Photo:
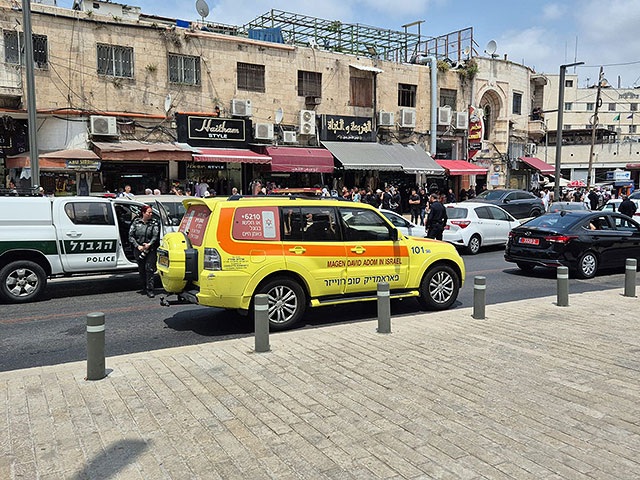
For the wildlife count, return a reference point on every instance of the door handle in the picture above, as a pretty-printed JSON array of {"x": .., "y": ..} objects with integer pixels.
[
  {"x": 298, "y": 250},
  {"x": 359, "y": 250},
  {"x": 73, "y": 234}
]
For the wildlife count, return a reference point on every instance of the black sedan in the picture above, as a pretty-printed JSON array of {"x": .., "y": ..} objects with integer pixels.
[
  {"x": 582, "y": 241},
  {"x": 519, "y": 203}
]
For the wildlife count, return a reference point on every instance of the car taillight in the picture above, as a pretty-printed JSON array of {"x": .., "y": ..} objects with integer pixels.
[
  {"x": 560, "y": 238},
  {"x": 511, "y": 234},
  {"x": 460, "y": 223},
  {"x": 212, "y": 260}
]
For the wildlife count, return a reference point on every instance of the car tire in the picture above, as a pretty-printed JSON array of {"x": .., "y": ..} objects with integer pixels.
[
  {"x": 22, "y": 281},
  {"x": 587, "y": 265},
  {"x": 439, "y": 288},
  {"x": 535, "y": 213},
  {"x": 474, "y": 244},
  {"x": 292, "y": 298},
  {"x": 525, "y": 266}
]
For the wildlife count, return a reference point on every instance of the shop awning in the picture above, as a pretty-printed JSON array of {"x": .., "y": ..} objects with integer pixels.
[
  {"x": 460, "y": 167},
  {"x": 229, "y": 155},
  {"x": 293, "y": 159},
  {"x": 374, "y": 156},
  {"x": 633, "y": 166},
  {"x": 141, "y": 151},
  {"x": 78, "y": 159},
  {"x": 538, "y": 164}
]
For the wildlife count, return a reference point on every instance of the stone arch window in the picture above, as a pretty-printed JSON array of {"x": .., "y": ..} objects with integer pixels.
[{"x": 491, "y": 105}]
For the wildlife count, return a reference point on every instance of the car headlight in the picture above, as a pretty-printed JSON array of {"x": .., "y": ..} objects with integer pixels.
[{"x": 212, "y": 260}]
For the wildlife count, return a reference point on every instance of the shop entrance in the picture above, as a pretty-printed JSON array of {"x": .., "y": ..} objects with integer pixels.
[{"x": 140, "y": 176}]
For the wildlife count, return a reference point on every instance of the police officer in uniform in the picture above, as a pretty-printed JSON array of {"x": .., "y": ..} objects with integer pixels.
[
  {"x": 144, "y": 236},
  {"x": 437, "y": 218}
]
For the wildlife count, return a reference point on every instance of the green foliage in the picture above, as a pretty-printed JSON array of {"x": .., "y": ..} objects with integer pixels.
[
  {"x": 443, "y": 66},
  {"x": 470, "y": 70},
  {"x": 151, "y": 67}
]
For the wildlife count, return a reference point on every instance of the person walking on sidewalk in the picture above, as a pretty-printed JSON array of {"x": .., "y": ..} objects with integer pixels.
[
  {"x": 627, "y": 207},
  {"x": 437, "y": 218},
  {"x": 144, "y": 236}
]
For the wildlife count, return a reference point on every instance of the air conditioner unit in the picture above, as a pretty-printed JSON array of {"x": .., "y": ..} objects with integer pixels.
[
  {"x": 407, "y": 118},
  {"x": 290, "y": 137},
  {"x": 462, "y": 120},
  {"x": 241, "y": 108},
  {"x": 263, "y": 131},
  {"x": 101, "y": 125},
  {"x": 531, "y": 149},
  {"x": 385, "y": 119},
  {"x": 444, "y": 116},
  {"x": 307, "y": 122},
  {"x": 313, "y": 100}
]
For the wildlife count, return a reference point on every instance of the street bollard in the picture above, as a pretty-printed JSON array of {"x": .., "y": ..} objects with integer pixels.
[
  {"x": 479, "y": 297},
  {"x": 384, "y": 308},
  {"x": 261, "y": 318},
  {"x": 631, "y": 265},
  {"x": 95, "y": 346},
  {"x": 563, "y": 287}
]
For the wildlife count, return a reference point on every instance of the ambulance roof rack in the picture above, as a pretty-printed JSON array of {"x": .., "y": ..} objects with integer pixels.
[{"x": 292, "y": 197}]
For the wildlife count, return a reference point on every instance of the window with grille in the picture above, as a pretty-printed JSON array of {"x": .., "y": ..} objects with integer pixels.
[
  {"x": 14, "y": 48},
  {"x": 517, "y": 103},
  {"x": 633, "y": 107},
  {"x": 448, "y": 97},
  {"x": 568, "y": 106},
  {"x": 589, "y": 106},
  {"x": 115, "y": 61},
  {"x": 632, "y": 128},
  {"x": 361, "y": 89},
  {"x": 309, "y": 84},
  {"x": 612, "y": 107},
  {"x": 407, "y": 95},
  {"x": 184, "y": 69},
  {"x": 250, "y": 77}
]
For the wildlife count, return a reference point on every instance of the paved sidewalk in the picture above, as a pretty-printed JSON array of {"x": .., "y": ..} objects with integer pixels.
[{"x": 535, "y": 391}]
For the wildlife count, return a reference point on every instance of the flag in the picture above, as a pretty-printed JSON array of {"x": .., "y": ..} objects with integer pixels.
[
  {"x": 630, "y": 116},
  {"x": 616, "y": 118}
]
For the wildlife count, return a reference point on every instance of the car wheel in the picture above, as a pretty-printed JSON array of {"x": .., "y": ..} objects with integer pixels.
[
  {"x": 439, "y": 288},
  {"x": 526, "y": 267},
  {"x": 474, "y": 244},
  {"x": 535, "y": 213},
  {"x": 287, "y": 302},
  {"x": 22, "y": 281},
  {"x": 588, "y": 265}
]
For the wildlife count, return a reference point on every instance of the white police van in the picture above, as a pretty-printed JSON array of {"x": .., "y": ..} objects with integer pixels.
[{"x": 44, "y": 237}]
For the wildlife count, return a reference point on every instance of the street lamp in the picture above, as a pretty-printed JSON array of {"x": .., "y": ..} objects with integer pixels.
[{"x": 563, "y": 71}]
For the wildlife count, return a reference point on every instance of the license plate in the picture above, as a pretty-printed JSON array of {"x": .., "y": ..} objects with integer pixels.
[
  {"x": 163, "y": 260},
  {"x": 529, "y": 241}
]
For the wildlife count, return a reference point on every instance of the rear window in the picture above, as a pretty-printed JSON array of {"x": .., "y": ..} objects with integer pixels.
[
  {"x": 553, "y": 220},
  {"x": 454, "y": 213},
  {"x": 256, "y": 223},
  {"x": 194, "y": 223},
  {"x": 491, "y": 195},
  {"x": 175, "y": 212}
]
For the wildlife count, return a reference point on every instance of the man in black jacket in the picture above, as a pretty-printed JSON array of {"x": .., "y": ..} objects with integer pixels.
[
  {"x": 627, "y": 207},
  {"x": 437, "y": 218},
  {"x": 593, "y": 199}
]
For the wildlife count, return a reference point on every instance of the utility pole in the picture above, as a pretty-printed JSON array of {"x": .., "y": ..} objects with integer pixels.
[
  {"x": 594, "y": 127},
  {"x": 563, "y": 72},
  {"x": 31, "y": 93}
]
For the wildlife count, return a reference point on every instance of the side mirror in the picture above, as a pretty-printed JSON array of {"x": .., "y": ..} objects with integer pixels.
[{"x": 394, "y": 234}]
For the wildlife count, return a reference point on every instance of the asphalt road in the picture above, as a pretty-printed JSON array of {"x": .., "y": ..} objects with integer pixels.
[{"x": 54, "y": 330}]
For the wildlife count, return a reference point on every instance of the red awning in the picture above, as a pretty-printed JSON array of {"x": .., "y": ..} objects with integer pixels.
[
  {"x": 229, "y": 155},
  {"x": 538, "y": 164},
  {"x": 633, "y": 166},
  {"x": 293, "y": 159},
  {"x": 460, "y": 167},
  {"x": 141, "y": 151}
]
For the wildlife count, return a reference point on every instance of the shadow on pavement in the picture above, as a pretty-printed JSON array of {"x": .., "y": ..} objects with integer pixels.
[
  {"x": 81, "y": 286},
  {"x": 108, "y": 463}
]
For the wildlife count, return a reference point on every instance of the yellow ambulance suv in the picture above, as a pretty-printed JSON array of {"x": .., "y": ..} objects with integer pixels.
[{"x": 301, "y": 252}]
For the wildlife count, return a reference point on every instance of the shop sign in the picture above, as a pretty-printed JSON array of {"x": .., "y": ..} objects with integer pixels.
[
  {"x": 618, "y": 175},
  {"x": 476, "y": 131},
  {"x": 207, "y": 166},
  {"x": 82, "y": 164},
  {"x": 494, "y": 179},
  {"x": 208, "y": 131},
  {"x": 340, "y": 128}
]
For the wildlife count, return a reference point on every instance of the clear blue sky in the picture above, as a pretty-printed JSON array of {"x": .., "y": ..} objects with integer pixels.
[{"x": 542, "y": 33}]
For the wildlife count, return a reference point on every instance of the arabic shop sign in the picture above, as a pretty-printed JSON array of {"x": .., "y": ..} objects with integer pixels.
[
  {"x": 211, "y": 131},
  {"x": 476, "y": 131},
  {"x": 82, "y": 164},
  {"x": 347, "y": 129}
]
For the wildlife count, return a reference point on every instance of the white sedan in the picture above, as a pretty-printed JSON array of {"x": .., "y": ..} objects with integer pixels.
[
  {"x": 405, "y": 226},
  {"x": 473, "y": 225}
]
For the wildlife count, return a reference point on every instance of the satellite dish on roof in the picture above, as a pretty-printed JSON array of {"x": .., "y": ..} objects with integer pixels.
[
  {"x": 279, "y": 116},
  {"x": 202, "y": 8},
  {"x": 491, "y": 47},
  {"x": 466, "y": 51},
  {"x": 167, "y": 103}
]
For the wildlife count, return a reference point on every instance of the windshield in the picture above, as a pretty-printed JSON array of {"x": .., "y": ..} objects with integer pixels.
[
  {"x": 491, "y": 195},
  {"x": 555, "y": 221},
  {"x": 456, "y": 212}
]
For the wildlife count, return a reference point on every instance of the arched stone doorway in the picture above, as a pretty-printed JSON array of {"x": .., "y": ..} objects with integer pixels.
[{"x": 491, "y": 105}]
